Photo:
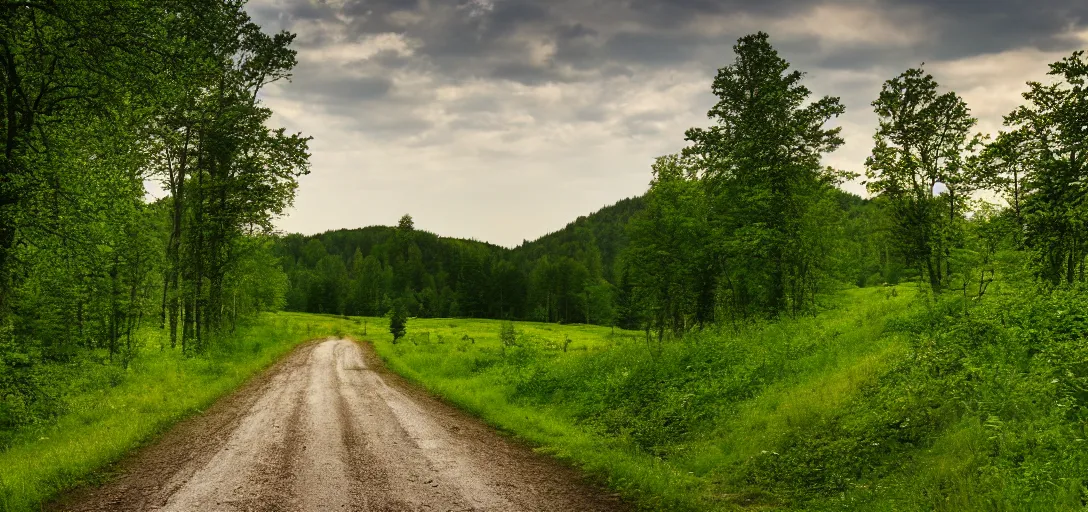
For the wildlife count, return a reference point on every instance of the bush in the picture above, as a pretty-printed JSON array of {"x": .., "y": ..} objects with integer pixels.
[
  {"x": 398, "y": 322},
  {"x": 508, "y": 335},
  {"x": 29, "y": 392}
]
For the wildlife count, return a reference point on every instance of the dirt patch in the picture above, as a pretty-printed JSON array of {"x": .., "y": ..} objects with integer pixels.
[{"x": 328, "y": 428}]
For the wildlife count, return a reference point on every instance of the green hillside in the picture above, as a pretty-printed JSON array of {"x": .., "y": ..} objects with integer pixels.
[{"x": 565, "y": 276}]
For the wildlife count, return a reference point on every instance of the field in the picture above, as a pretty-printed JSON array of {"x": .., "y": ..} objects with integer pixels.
[
  {"x": 892, "y": 400},
  {"x": 687, "y": 424}
]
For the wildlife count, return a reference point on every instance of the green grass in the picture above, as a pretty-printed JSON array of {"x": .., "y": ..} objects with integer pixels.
[
  {"x": 882, "y": 403},
  {"x": 111, "y": 411},
  {"x": 681, "y": 425}
]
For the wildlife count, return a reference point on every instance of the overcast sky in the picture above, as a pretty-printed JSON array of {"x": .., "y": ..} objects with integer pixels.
[{"x": 502, "y": 120}]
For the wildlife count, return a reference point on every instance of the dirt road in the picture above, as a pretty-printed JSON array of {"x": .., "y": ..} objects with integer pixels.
[{"x": 329, "y": 429}]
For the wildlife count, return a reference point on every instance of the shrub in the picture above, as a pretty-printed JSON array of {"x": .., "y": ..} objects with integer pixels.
[
  {"x": 508, "y": 335},
  {"x": 398, "y": 322}
]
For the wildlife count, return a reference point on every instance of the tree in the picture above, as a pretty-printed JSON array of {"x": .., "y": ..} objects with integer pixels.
[
  {"x": 1002, "y": 167},
  {"x": 68, "y": 70},
  {"x": 761, "y": 164},
  {"x": 331, "y": 286},
  {"x": 507, "y": 290},
  {"x": 668, "y": 246},
  {"x": 397, "y": 321},
  {"x": 920, "y": 143},
  {"x": 97, "y": 97},
  {"x": 1050, "y": 140},
  {"x": 599, "y": 302},
  {"x": 627, "y": 309},
  {"x": 508, "y": 335},
  {"x": 368, "y": 285}
]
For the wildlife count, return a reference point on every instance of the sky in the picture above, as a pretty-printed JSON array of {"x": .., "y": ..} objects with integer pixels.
[{"x": 503, "y": 120}]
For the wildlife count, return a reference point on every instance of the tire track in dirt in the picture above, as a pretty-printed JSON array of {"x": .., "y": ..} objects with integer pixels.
[{"x": 328, "y": 428}]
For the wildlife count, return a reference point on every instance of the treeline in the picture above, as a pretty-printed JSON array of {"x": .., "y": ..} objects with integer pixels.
[
  {"x": 99, "y": 97},
  {"x": 566, "y": 276}
]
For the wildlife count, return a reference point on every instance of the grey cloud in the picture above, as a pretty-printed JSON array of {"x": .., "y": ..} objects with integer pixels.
[
  {"x": 592, "y": 114},
  {"x": 677, "y": 13},
  {"x": 466, "y": 41},
  {"x": 477, "y": 122},
  {"x": 475, "y": 105},
  {"x": 988, "y": 26},
  {"x": 346, "y": 89},
  {"x": 650, "y": 123},
  {"x": 461, "y": 41},
  {"x": 526, "y": 73},
  {"x": 537, "y": 87},
  {"x": 507, "y": 16},
  {"x": 860, "y": 57},
  {"x": 654, "y": 49},
  {"x": 382, "y": 122},
  {"x": 391, "y": 59}
]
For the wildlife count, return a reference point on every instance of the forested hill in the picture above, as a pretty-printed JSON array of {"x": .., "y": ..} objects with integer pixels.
[
  {"x": 605, "y": 230},
  {"x": 566, "y": 275},
  {"x": 576, "y": 274}
]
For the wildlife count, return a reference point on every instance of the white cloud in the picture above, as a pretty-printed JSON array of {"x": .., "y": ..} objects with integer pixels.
[
  {"x": 347, "y": 52},
  {"x": 847, "y": 25}
]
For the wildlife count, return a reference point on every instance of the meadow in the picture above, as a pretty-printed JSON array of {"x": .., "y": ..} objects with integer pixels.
[
  {"x": 891, "y": 399},
  {"x": 687, "y": 424}
]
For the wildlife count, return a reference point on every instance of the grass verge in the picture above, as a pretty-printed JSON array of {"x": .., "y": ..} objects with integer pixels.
[{"x": 109, "y": 410}]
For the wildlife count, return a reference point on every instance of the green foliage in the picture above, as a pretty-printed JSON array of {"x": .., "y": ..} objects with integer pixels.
[
  {"x": 96, "y": 413},
  {"x": 26, "y": 394},
  {"x": 745, "y": 222},
  {"x": 971, "y": 394},
  {"x": 398, "y": 321},
  {"x": 672, "y": 424},
  {"x": 920, "y": 143},
  {"x": 126, "y": 93},
  {"x": 508, "y": 335},
  {"x": 566, "y": 276},
  {"x": 890, "y": 401},
  {"x": 668, "y": 257},
  {"x": 434, "y": 276},
  {"x": 761, "y": 166},
  {"x": 1047, "y": 144}
]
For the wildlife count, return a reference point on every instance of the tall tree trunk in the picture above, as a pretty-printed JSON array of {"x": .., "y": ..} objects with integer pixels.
[
  {"x": 199, "y": 256},
  {"x": 165, "y": 289},
  {"x": 187, "y": 313},
  {"x": 114, "y": 309},
  {"x": 1071, "y": 265},
  {"x": 173, "y": 249}
]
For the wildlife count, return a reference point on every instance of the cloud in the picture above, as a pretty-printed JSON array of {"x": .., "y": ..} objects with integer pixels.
[{"x": 503, "y": 119}]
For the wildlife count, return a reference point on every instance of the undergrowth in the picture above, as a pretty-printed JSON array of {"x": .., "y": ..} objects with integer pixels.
[
  {"x": 891, "y": 401},
  {"x": 97, "y": 412}
]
